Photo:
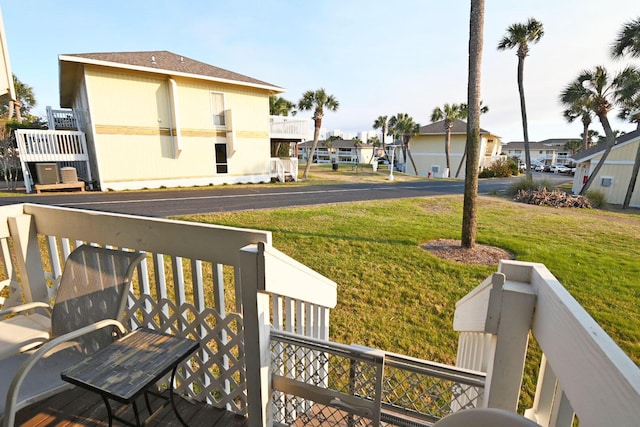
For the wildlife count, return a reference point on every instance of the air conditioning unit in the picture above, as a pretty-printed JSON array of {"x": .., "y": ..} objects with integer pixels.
[
  {"x": 68, "y": 175},
  {"x": 47, "y": 173}
]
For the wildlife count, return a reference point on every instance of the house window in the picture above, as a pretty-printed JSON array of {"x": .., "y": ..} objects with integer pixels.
[
  {"x": 217, "y": 108},
  {"x": 221, "y": 158}
]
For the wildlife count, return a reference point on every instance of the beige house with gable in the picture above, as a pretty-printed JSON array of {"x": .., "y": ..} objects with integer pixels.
[
  {"x": 615, "y": 174},
  {"x": 427, "y": 149},
  {"x": 155, "y": 119}
]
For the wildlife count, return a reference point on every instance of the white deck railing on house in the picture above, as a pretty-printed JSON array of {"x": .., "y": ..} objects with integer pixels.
[
  {"x": 281, "y": 168},
  {"x": 289, "y": 128},
  {"x": 36, "y": 145},
  {"x": 583, "y": 372},
  {"x": 232, "y": 291},
  {"x": 214, "y": 284},
  {"x": 63, "y": 119}
]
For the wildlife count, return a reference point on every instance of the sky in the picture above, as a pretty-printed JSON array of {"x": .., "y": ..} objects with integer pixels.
[{"x": 376, "y": 58}]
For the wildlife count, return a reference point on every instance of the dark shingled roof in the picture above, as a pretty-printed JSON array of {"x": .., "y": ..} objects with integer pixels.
[
  {"x": 162, "y": 60},
  {"x": 601, "y": 147},
  {"x": 437, "y": 128},
  {"x": 519, "y": 145}
]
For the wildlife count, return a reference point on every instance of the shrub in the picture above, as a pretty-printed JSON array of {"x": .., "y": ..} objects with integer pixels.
[
  {"x": 486, "y": 173},
  {"x": 513, "y": 166},
  {"x": 596, "y": 198},
  {"x": 527, "y": 185},
  {"x": 502, "y": 168}
]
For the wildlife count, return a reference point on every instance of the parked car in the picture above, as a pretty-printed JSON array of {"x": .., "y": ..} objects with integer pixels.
[
  {"x": 535, "y": 164},
  {"x": 559, "y": 169}
]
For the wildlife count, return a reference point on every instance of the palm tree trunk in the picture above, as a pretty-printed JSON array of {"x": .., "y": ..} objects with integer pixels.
[
  {"x": 611, "y": 140},
  {"x": 316, "y": 136},
  {"x": 523, "y": 112},
  {"x": 469, "y": 212},
  {"x": 632, "y": 181},
  {"x": 413, "y": 163},
  {"x": 464, "y": 154},
  {"x": 447, "y": 150},
  {"x": 585, "y": 137},
  {"x": 585, "y": 133}
]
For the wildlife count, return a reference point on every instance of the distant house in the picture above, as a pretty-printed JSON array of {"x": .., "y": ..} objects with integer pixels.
[
  {"x": 546, "y": 152},
  {"x": 427, "y": 149},
  {"x": 156, "y": 119},
  {"x": 338, "y": 151},
  {"x": 615, "y": 174}
]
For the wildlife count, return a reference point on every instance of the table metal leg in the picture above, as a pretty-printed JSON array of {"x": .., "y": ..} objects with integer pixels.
[
  {"x": 136, "y": 413},
  {"x": 173, "y": 404},
  {"x": 109, "y": 412}
]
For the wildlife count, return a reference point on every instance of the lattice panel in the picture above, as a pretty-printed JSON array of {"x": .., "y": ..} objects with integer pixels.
[
  {"x": 317, "y": 415},
  {"x": 336, "y": 373},
  {"x": 430, "y": 396},
  {"x": 216, "y": 372}
]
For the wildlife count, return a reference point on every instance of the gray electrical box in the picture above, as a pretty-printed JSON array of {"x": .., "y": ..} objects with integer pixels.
[
  {"x": 68, "y": 175},
  {"x": 47, "y": 173}
]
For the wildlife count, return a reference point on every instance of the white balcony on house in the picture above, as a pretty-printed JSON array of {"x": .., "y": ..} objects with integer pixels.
[
  {"x": 63, "y": 144},
  {"x": 263, "y": 321},
  {"x": 289, "y": 128},
  {"x": 284, "y": 168}
]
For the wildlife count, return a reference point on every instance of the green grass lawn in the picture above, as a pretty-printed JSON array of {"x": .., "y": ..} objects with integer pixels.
[{"x": 396, "y": 296}]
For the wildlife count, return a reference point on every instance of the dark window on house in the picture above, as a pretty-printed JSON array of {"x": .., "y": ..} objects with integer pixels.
[{"x": 221, "y": 158}]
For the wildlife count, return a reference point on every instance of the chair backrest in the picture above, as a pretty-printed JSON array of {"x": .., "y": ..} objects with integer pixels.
[{"x": 94, "y": 286}]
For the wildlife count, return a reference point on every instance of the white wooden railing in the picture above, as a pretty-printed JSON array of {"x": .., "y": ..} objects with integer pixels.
[
  {"x": 63, "y": 119},
  {"x": 230, "y": 289},
  {"x": 36, "y": 145},
  {"x": 283, "y": 167},
  {"x": 214, "y": 284},
  {"x": 583, "y": 372},
  {"x": 289, "y": 128}
]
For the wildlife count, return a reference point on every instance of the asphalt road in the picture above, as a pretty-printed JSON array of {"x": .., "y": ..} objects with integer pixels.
[{"x": 167, "y": 203}]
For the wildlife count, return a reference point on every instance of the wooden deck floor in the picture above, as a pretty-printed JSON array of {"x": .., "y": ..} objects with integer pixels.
[{"x": 79, "y": 408}]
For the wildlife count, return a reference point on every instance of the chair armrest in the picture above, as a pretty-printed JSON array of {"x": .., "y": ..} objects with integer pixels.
[
  {"x": 25, "y": 307},
  {"x": 51, "y": 345}
]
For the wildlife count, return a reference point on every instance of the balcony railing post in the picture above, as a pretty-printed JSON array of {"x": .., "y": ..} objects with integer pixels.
[
  {"x": 551, "y": 408},
  {"x": 29, "y": 262},
  {"x": 504, "y": 310},
  {"x": 256, "y": 319}
]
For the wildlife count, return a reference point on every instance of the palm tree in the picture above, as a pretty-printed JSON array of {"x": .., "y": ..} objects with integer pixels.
[
  {"x": 449, "y": 113},
  {"x": 381, "y": 123},
  {"x": 375, "y": 143},
  {"x": 469, "y": 210},
  {"x": 574, "y": 145},
  {"x": 25, "y": 101},
  {"x": 317, "y": 101},
  {"x": 403, "y": 127},
  {"x": 483, "y": 109},
  {"x": 278, "y": 106},
  {"x": 520, "y": 35},
  {"x": 628, "y": 40},
  {"x": 597, "y": 89},
  {"x": 584, "y": 112}
]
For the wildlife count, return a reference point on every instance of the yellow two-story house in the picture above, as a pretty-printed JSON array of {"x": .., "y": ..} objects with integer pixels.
[
  {"x": 428, "y": 150},
  {"x": 157, "y": 119}
]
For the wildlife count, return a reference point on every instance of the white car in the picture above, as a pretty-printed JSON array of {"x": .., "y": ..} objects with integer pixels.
[
  {"x": 559, "y": 169},
  {"x": 538, "y": 168}
]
